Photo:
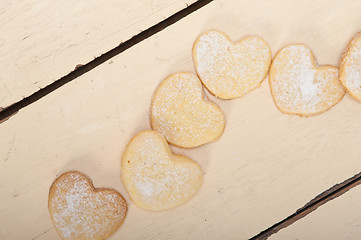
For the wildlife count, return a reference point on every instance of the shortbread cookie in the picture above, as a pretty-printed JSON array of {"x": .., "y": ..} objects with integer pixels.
[
  {"x": 154, "y": 177},
  {"x": 350, "y": 67},
  {"x": 230, "y": 70},
  {"x": 299, "y": 86},
  {"x": 79, "y": 211},
  {"x": 180, "y": 112}
]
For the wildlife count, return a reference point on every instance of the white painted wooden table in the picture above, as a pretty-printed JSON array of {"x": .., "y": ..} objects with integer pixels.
[
  {"x": 264, "y": 167},
  {"x": 42, "y": 41},
  {"x": 338, "y": 219}
]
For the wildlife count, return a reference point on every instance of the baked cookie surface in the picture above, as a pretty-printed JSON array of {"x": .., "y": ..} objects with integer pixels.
[
  {"x": 180, "y": 112},
  {"x": 299, "y": 86},
  {"x": 350, "y": 68},
  {"x": 230, "y": 70},
  {"x": 154, "y": 177},
  {"x": 79, "y": 211}
]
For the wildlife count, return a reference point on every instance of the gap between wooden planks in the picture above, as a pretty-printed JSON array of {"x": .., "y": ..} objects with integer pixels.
[
  {"x": 265, "y": 166},
  {"x": 44, "y": 40},
  {"x": 314, "y": 204},
  {"x": 81, "y": 69},
  {"x": 338, "y": 219}
]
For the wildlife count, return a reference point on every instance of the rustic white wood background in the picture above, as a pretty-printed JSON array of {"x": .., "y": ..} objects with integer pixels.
[
  {"x": 338, "y": 219},
  {"x": 41, "y": 41},
  {"x": 265, "y": 166}
]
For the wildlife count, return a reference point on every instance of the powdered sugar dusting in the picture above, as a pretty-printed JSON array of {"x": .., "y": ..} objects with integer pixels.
[
  {"x": 298, "y": 86},
  {"x": 351, "y": 76},
  {"x": 156, "y": 179},
  {"x": 308, "y": 87},
  {"x": 181, "y": 114},
  {"x": 231, "y": 70},
  {"x": 80, "y": 213},
  {"x": 353, "y": 80}
]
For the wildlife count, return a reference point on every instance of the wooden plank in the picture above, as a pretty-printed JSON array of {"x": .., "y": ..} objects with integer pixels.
[
  {"x": 45, "y": 40},
  {"x": 264, "y": 167},
  {"x": 337, "y": 219},
  {"x": 321, "y": 199}
]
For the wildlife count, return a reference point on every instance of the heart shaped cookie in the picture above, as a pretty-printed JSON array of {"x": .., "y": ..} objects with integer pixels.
[
  {"x": 180, "y": 112},
  {"x": 230, "y": 70},
  {"x": 299, "y": 86},
  {"x": 350, "y": 67},
  {"x": 79, "y": 211},
  {"x": 154, "y": 177}
]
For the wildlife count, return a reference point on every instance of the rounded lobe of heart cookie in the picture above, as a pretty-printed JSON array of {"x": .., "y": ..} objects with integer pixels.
[
  {"x": 230, "y": 70},
  {"x": 79, "y": 211},
  {"x": 350, "y": 67},
  {"x": 180, "y": 112},
  {"x": 299, "y": 86},
  {"x": 154, "y": 177}
]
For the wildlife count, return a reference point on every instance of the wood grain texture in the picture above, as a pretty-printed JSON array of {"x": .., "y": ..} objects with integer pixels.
[
  {"x": 337, "y": 219},
  {"x": 264, "y": 167},
  {"x": 42, "y": 41},
  {"x": 321, "y": 199}
]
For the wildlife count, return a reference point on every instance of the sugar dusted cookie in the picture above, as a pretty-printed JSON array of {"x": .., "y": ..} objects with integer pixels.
[
  {"x": 350, "y": 67},
  {"x": 79, "y": 211},
  {"x": 299, "y": 86},
  {"x": 154, "y": 177},
  {"x": 180, "y": 112},
  {"x": 230, "y": 70}
]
